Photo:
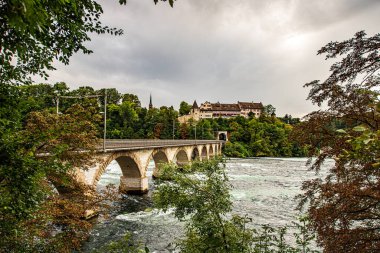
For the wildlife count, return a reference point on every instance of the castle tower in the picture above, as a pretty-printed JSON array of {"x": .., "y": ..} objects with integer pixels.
[
  {"x": 195, "y": 111},
  {"x": 195, "y": 106}
]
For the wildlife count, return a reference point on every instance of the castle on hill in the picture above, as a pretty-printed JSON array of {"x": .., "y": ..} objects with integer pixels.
[{"x": 209, "y": 110}]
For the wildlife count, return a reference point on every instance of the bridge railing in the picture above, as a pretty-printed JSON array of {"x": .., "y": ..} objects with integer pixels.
[{"x": 139, "y": 143}]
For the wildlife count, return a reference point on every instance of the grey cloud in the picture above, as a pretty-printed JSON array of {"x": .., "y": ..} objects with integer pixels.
[{"x": 218, "y": 50}]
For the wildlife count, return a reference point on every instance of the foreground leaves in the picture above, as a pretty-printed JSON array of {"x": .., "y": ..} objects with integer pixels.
[
  {"x": 37, "y": 160},
  {"x": 202, "y": 191}
]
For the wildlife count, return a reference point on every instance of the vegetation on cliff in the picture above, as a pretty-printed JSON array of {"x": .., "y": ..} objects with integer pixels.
[
  {"x": 263, "y": 136},
  {"x": 126, "y": 119}
]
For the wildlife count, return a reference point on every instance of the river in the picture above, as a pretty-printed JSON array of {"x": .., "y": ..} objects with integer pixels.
[{"x": 263, "y": 188}]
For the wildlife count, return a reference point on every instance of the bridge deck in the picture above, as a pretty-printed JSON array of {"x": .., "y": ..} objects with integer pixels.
[{"x": 128, "y": 144}]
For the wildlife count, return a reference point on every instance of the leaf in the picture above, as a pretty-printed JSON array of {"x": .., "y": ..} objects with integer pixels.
[
  {"x": 359, "y": 128},
  {"x": 342, "y": 131}
]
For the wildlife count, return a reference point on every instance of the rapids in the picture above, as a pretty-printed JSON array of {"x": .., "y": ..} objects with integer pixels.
[{"x": 263, "y": 188}]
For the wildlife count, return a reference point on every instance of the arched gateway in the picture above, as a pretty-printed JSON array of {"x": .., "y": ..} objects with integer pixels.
[{"x": 134, "y": 156}]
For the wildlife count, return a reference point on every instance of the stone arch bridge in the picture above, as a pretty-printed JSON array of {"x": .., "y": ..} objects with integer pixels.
[{"x": 133, "y": 157}]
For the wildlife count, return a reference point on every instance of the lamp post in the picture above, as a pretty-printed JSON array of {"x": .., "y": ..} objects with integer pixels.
[
  {"x": 105, "y": 121},
  {"x": 57, "y": 104},
  {"x": 173, "y": 128},
  {"x": 195, "y": 133}
]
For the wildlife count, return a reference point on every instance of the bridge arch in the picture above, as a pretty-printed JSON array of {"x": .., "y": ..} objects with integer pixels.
[
  {"x": 211, "y": 150},
  {"x": 128, "y": 166},
  {"x": 195, "y": 154},
  {"x": 222, "y": 135},
  {"x": 133, "y": 179},
  {"x": 181, "y": 157},
  {"x": 159, "y": 157},
  {"x": 204, "y": 153}
]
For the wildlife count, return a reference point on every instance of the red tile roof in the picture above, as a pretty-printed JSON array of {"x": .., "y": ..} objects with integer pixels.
[
  {"x": 225, "y": 107},
  {"x": 234, "y": 107}
]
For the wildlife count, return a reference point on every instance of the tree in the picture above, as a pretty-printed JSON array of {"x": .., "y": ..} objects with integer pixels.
[
  {"x": 184, "y": 131},
  {"x": 113, "y": 96},
  {"x": 344, "y": 206},
  {"x": 123, "y": 118},
  {"x": 37, "y": 97},
  {"x": 269, "y": 110},
  {"x": 84, "y": 95},
  {"x": 60, "y": 88},
  {"x": 25, "y": 167},
  {"x": 205, "y": 131},
  {"x": 132, "y": 98},
  {"x": 184, "y": 108},
  {"x": 34, "y": 33},
  {"x": 167, "y": 117},
  {"x": 235, "y": 150},
  {"x": 207, "y": 202}
]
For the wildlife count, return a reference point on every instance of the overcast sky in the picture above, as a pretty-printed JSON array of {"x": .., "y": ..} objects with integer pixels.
[{"x": 218, "y": 50}]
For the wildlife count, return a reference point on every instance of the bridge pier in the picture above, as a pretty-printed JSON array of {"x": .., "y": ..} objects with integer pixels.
[{"x": 133, "y": 185}]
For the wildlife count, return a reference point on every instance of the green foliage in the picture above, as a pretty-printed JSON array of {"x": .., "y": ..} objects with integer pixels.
[
  {"x": 25, "y": 168},
  {"x": 204, "y": 130},
  {"x": 269, "y": 110},
  {"x": 25, "y": 136},
  {"x": 184, "y": 108},
  {"x": 124, "y": 245},
  {"x": 275, "y": 240},
  {"x": 34, "y": 33},
  {"x": 288, "y": 119},
  {"x": 265, "y": 136},
  {"x": 235, "y": 150},
  {"x": 200, "y": 192},
  {"x": 133, "y": 99},
  {"x": 113, "y": 96},
  {"x": 305, "y": 235}
]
